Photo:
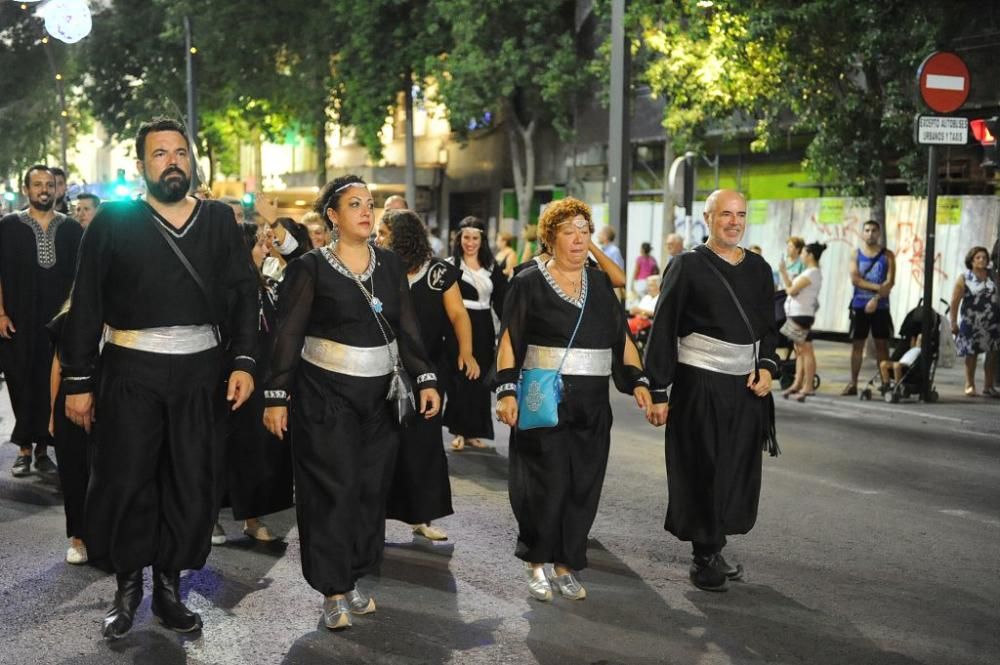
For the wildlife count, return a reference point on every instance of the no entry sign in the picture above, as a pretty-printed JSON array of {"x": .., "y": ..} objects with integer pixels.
[{"x": 944, "y": 82}]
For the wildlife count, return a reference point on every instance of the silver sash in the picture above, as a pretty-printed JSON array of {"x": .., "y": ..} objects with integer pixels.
[
  {"x": 365, "y": 361},
  {"x": 579, "y": 362},
  {"x": 475, "y": 304},
  {"x": 171, "y": 340},
  {"x": 715, "y": 355}
]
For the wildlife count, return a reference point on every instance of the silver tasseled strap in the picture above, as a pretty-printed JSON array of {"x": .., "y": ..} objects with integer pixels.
[
  {"x": 170, "y": 340},
  {"x": 579, "y": 362},
  {"x": 364, "y": 361},
  {"x": 715, "y": 355}
]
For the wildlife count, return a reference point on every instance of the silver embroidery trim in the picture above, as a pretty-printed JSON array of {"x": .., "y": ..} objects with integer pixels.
[
  {"x": 76, "y": 378},
  {"x": 246, "y": 358},
  {"x": 170, "y": 227},
  {"x": 576, "y": 302},
  {"x": 419, "y": 275},
  {"x": 275, "y": 394},
  {"x": 327, "y": 252},
  {"x": 643, "y": 380},
  {"x": 506, "y": 387},
  {"x": 429, "y": 376},
  {"x": 45, "y": 239}
]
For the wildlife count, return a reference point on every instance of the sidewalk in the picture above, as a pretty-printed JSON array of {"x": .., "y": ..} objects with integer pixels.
[{"x": 976, "y": 414}]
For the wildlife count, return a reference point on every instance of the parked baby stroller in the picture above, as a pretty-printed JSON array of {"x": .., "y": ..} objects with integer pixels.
[
  {"x": 786, "y": 365},
  {"x": 912, "y": 382}
]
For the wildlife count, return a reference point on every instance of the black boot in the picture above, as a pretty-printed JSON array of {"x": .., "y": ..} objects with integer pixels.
[
  {"x": 732, "y": 573},
  {"x": 118, "y": 620},
  {"x": 167, "y": 603},
  {"x": 705, "y": 576}
]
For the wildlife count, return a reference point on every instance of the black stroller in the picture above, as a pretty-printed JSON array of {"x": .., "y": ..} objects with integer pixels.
[
  {"x": 786, "y": 365},
  {"x": 912, "y": 381}
]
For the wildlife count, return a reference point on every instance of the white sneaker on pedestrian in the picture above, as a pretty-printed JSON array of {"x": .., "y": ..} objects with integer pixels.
[
  {"x": 218, "y": 535},
  {"x": 77, "y": 553}
]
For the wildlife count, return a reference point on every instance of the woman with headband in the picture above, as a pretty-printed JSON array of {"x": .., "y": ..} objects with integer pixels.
[
  {"x": 483, "y": 284},
  {"x": 344, "y": 320},
  {"x": 563, "y": 315}
]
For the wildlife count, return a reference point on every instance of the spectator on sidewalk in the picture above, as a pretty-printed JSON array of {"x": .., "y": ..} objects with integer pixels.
[
  {"x": 800, "y": 310},
  {"x": 873, "y": 274},
  {"x": 505, "y": 255},
  {"x": 606, "y": 241},
  {"x": 641, "y": 313},
  {"x": 975, "y": 321},
  {"x": 793, "y": 260},
  {"x": 645, "y": 265},
  {"x": 675, "y": 246}
]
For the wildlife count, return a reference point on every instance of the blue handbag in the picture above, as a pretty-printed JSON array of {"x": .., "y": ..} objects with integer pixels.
[{"x": 539, "y": 391}]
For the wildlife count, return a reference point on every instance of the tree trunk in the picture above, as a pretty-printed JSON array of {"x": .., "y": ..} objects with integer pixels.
[
  {"x": 878, "y": 200},
  {"x": 211, "y": 163},
  {"x": 321, "y": 152},
  {"x": 522, "y": 158}
]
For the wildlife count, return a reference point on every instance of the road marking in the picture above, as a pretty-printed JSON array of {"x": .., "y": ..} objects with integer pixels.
[
  {"x": 823, "y": 481},
  {"x": 971, "y": 516},
  {"x": 945, "y": 82}
]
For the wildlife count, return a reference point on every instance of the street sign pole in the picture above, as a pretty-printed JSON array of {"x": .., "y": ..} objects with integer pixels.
[{"x": 928, "y": 319}]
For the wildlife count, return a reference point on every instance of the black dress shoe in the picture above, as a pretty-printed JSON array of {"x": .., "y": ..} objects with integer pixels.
[
  {"x": 167, "y": 605},
  {"x": 118, "y": 620},
  {"x": 731, "y": 572},
  {"x": 705, "y": 576}
]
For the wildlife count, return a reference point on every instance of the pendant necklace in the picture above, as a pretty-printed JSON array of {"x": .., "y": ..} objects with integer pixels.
[{"x": 373, "y": 301}]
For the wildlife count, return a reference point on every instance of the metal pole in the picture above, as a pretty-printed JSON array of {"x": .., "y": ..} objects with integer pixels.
[
  {"x": 192, "y": 101},
  {"x": 928, "y": 320},
  {"x": 689, "y": 240},
  {"x": 411, "y": 150},
  {"x": 619, "y": 153}
]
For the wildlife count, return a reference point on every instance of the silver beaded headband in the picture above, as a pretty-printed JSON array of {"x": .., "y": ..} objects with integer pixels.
[{"x": 350, "y": 184}]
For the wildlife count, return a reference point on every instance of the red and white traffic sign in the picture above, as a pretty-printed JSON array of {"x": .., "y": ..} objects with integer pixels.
[{"x": 944, "y": 81}]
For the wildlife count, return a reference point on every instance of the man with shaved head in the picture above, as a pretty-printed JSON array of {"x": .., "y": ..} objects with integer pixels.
[{"x": 710, "y": 358}]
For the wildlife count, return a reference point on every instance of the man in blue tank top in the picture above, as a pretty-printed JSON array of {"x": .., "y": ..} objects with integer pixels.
[{"x": 873, "y": 274}]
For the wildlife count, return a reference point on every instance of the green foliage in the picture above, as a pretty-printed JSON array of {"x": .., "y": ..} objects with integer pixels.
[
  {"x": 29, "y": 104},
  {"x": 840, "y": 70},
  {"x": 515, "y": 56}
]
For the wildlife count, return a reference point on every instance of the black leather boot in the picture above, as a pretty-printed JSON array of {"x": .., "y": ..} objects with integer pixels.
[
  {"x": 167, "y": 605},
  {"x": 705, "y": 576},
  {"x": 732, "y": 573},
  {"x": 118, "y": 620}
]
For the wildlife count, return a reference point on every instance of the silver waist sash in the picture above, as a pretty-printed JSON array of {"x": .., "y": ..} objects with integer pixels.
[
  {"x": 579, "y": 362},
  {"x": 715, "y": 355},
  {"x": 172, "y": 340},
  {"x": 475, "y": 304},
  {"x": 365, "y": 361}
]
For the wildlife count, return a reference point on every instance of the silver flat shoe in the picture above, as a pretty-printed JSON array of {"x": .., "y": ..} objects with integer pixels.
[
  {"x": 569, "y": 586},
  {"x": 359, "y": 602},
  {"x": 539, "y": 587},
  {"x": 336, "y": 614}
]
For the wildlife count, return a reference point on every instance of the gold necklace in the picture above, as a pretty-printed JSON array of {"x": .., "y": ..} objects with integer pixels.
[
  {"x": 738, "y": 261},
  {"x": 575, "y": 285}
]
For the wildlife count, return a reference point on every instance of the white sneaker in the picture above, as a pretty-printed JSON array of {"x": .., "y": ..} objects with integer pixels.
[
  {"x": 218, "y": 535},
  {"x": 76, "y": 554}
]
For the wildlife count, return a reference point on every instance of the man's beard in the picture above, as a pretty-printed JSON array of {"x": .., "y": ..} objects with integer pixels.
[
  {"x": 169, "y": 190},
  {"x": 42, "y": 206}
]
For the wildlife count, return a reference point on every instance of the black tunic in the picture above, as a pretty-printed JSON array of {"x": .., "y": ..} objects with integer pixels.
[
  {"x": 36, "y": 272},
  {"x": 468, "y": 412},
  {"x": 556, "y": 474},
  {"x": 257, "y": 467},
  {"x": 716, "y": 426},
  {"x": 344, "y": 441},
  {"x": 421, "y": 490},
  {"x": 130, "y": 279}
]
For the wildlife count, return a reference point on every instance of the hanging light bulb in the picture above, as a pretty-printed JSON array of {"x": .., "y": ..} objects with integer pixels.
[{"x": 67, "y": 20}]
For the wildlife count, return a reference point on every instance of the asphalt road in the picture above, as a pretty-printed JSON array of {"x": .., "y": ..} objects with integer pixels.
[{"x": 877, "y": 542}]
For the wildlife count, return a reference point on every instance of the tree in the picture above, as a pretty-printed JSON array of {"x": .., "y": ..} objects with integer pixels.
[
  {"x": 29, "y": 103},
  {"x": 841, "y": 71},
  {"x": 517, "y": 59}
]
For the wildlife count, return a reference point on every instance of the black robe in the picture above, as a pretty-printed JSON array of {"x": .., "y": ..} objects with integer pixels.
[
  {"x": 344, "y": 440},
  {"x": 556, "y": 474},
  {"x": 468, "y": 412},
  {"x": 716, "y": 427},
  {"x": 421, "y": 490},
  {"x": 151, "y": 496},
  {"x": 36, "y": 271}
]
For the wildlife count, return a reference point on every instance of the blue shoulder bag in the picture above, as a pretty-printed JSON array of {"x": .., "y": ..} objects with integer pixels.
[{"x": 539, "y": 391}]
